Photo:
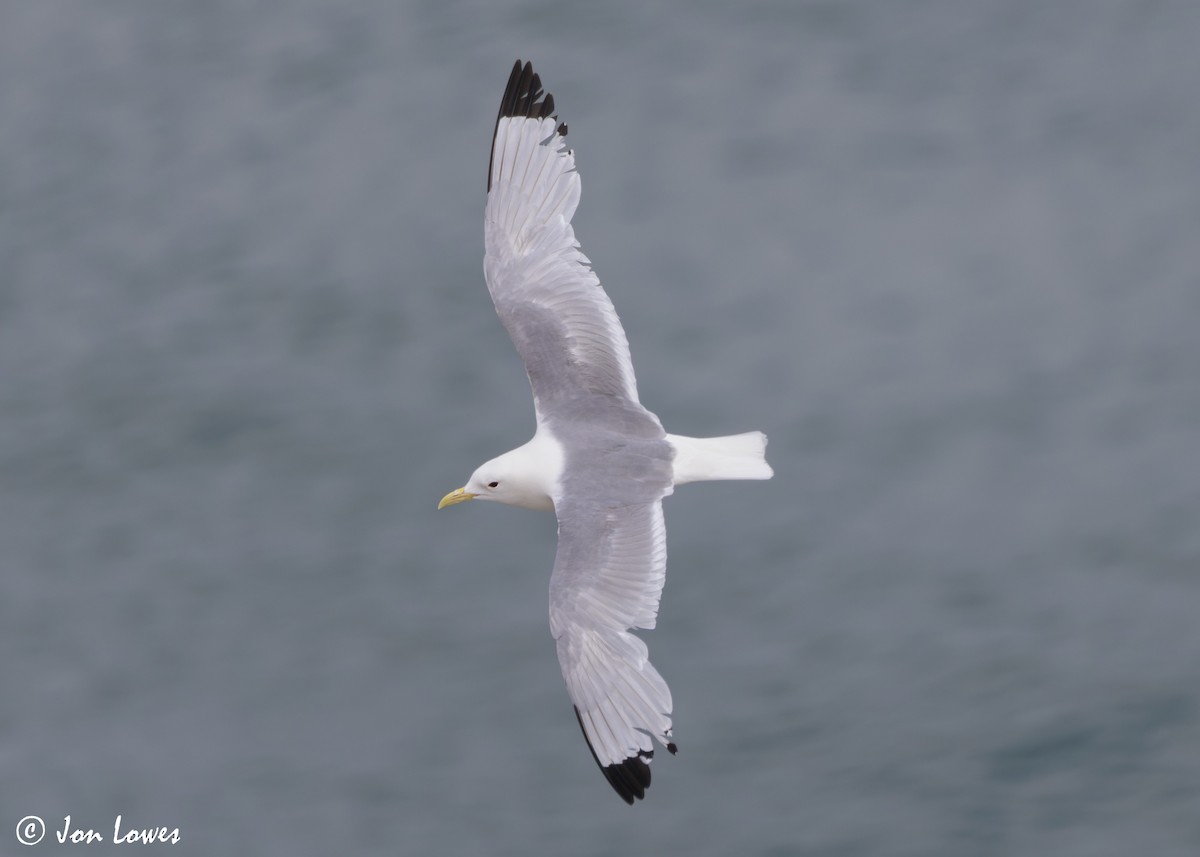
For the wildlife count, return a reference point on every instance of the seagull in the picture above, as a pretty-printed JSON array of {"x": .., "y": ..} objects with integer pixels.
[{"x": 598, "y": 459}]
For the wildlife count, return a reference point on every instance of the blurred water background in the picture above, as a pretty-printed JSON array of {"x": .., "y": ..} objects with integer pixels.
[{"x": 947, "y": 255}]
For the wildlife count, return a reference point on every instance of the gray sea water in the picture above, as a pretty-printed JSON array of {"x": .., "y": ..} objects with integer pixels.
[{"x": 947, "y": 255}]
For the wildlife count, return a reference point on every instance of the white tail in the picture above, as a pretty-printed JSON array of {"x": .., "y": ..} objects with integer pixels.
[{"x": 735, "y": 456}]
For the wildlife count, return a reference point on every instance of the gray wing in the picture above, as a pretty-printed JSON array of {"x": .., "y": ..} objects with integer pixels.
[
  {"x": 608, "y": 578},
  {"x": 547, "y": 297}
]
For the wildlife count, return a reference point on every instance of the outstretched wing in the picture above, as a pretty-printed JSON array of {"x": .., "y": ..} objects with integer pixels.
[
  {"x": 608, "y": 578},
  {"x": 547, "y": 297}
]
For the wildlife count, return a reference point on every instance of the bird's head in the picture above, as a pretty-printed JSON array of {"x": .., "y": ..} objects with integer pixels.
[{"x": 505, "y": 479}]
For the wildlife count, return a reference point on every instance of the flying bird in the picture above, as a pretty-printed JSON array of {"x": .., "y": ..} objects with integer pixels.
[{"x": 598, "y": 459}]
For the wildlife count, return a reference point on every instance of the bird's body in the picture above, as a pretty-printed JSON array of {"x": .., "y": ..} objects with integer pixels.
[{"x": 599, "y": 459}]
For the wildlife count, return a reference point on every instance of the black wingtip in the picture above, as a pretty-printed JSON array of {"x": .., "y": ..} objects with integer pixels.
[
  {"x": 523, "y": 97},
  {"x": 629, "y": 778}
]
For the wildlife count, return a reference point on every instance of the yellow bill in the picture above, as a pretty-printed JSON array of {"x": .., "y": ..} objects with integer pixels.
[{"x": 458, "y": 495}]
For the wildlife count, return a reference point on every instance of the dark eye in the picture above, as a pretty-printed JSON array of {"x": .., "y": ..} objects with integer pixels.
[{"x": 493, "y": 484}]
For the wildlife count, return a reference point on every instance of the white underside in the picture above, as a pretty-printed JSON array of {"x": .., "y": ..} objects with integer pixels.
[{"x": 735, "y": 456}]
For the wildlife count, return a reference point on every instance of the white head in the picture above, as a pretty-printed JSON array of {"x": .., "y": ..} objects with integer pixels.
[{"x": 525, "y": 476}]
